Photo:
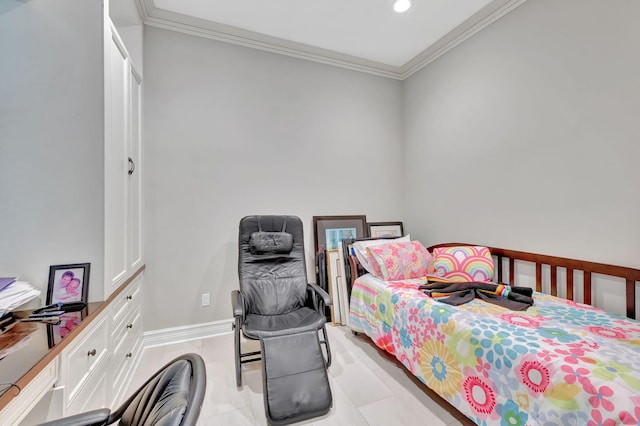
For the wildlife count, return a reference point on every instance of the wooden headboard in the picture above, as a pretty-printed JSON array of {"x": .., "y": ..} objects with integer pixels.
[{"x": 630, "y": 275}]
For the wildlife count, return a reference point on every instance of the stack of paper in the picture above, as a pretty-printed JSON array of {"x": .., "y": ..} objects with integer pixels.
[
  {"x": 4, "y": 282},
  {"x": 16, "y": 294}
]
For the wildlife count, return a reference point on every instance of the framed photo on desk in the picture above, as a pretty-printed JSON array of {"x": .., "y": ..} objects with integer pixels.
[{"x": 68, "y": 283}]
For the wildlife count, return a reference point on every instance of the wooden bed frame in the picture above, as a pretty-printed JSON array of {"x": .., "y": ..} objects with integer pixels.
[
  {"x": 630, "y": 275},
  {"x": 373, "y": 295}
]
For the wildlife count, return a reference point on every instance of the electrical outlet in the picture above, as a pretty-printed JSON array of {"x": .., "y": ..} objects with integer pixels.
[{"x": 206, "y": 299}]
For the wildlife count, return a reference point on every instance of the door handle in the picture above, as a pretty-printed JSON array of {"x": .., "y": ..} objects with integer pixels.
[{"x": 132, "y": 166}]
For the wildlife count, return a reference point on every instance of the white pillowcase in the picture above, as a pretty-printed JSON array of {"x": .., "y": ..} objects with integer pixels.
[{"x": 360, "y": 249}]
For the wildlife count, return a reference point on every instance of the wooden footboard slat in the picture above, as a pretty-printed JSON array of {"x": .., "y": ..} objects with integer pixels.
[
  {"x": 512, "y": 273},
  {"x": 554, "y": 281},
  {"x": 587, "y": 287},
  {"x": 569, "y": 283},
  {"x": 631, "y": 299},
  {"x": 538, "y": 277}
]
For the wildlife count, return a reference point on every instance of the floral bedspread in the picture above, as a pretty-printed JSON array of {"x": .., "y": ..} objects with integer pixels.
[{"x": 557, "y": 363}]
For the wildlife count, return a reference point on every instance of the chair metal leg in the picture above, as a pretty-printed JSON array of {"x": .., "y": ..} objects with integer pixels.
[
  {"x": 326, "y": 346},
  {"x": 237, "y": 352}
]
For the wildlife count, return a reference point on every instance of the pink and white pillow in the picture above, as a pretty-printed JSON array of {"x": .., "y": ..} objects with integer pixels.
[
  {"x": 463, "y": 263},
  {"x": 400, "y": 260},
  {"x": 367, "y": 262}
]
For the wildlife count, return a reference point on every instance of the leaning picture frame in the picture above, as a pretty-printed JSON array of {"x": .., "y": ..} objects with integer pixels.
[
  {"x": 385, "y": 229},
  {"x": 333, "y": 283},
  {"x": 68, "y": 283},
  {"x": 331, "y": 230}
]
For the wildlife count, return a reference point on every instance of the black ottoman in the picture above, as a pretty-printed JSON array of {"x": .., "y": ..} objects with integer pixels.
[{"x": 295, "y": 381}]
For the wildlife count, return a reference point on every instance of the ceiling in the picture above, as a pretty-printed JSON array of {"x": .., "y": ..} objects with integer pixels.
[{"x": 365, "y": 35}]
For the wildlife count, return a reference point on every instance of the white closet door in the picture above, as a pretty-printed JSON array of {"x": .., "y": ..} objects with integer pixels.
[
  {"x": 116, "y": 163},
  {"x": 135, "y": 172}
]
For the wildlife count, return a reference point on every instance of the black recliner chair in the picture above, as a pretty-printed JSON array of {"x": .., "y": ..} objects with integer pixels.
[
  {"x": 173, "y": 396},
  {"x": 277, "y": 305}
]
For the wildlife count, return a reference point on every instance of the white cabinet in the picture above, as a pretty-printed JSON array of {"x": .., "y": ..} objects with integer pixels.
[
  {"x": 82, "y": 365},
  {"x": 94, "y": 395},
  {"x": 96, "y": 368},
  {"x": 126, "y": 338},
  {"x": 123, "y": 163},
  {"x": 135, "y": 260},
  {"x": 116, "y": 150}
]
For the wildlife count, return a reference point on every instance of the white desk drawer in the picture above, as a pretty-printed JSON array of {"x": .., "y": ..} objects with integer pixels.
[
  {"x": 121, "y": 365},
  {"x": 130, "y": 324},
  {"x": 130, "y": 329},
  {"x": 80, "y": 359},
  {"x": 130, "y": 296},
  {"x": 93, "y": 394}
]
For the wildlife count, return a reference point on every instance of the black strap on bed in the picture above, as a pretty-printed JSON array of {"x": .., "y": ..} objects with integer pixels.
[{"x": 459, "y": 293}]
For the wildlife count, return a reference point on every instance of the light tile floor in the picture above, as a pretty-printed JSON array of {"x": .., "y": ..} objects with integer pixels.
[{"x": 369, "y": 386}]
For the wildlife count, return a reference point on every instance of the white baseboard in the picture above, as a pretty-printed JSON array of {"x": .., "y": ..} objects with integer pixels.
[{"x": 167, "y": 336}]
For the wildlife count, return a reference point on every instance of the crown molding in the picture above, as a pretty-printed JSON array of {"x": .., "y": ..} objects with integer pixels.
[
  {"x": 160, "y": 18},
  {"x": 142, "y": 10},
  {"x": 476, "y": 23}
]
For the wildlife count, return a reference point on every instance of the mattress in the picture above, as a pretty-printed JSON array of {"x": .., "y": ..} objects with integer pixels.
[{"x": 558, "y": 362}]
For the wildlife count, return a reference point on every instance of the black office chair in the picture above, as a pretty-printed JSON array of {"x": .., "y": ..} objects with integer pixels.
[
  {"x": 171, "y": 397},
  {"x": 275, "y": 297}
]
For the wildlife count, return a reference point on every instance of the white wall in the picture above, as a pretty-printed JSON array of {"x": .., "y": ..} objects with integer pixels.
[
  {"x": 231, "y": 131},
  {"x": 51, "y": 135},
  {"x": 527, "y": 135}
]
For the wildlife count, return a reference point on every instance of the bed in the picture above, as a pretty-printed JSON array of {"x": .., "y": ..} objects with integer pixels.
[{"x": 558, "y": 362}]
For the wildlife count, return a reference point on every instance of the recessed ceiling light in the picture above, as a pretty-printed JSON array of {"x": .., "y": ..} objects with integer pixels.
[{"x": 401, "y": 5}]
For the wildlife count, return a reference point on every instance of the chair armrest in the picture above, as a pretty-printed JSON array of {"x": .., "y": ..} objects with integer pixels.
[
  {"x": 237, "y": 303},
  {"x": 92, "y": 418},
  {"x": 325, "y": 296}
]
